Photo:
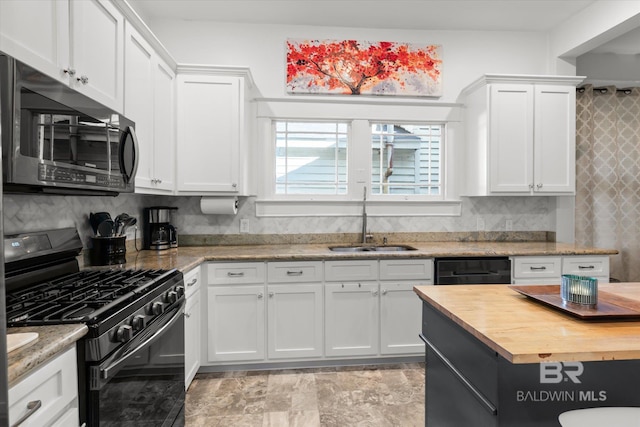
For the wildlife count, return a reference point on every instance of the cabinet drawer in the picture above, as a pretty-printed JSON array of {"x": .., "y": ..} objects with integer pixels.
[
  {"x": 298, "y": 272},
  {"x": 597, "y": 266},
  {"x": 537, "y": 267},
  {"x": 53, "y": 384},
  {"x": 235, "y": 273},
  {"x": 350, "y": 271},
  {"x": 192, "y": 281},
  {"x": 407, "y": 269}
]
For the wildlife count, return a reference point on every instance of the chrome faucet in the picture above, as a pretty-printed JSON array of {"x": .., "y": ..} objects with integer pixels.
[{"x": 364, "y": 217}]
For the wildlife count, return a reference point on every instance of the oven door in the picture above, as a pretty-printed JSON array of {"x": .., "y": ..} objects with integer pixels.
[{"x": 142, "y": 384}]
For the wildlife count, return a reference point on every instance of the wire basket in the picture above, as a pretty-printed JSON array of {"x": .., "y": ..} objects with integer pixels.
[{"x": 581, "y": 290}]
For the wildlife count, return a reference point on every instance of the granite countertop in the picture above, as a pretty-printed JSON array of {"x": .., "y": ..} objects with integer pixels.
[
  {"x": 186, "y": 258},
  {"x": 51, "y": 341},
  {"x": 525, "y": 331}
]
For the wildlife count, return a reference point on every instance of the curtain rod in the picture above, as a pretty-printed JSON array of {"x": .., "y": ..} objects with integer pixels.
[{"x": 605, "y": 90}]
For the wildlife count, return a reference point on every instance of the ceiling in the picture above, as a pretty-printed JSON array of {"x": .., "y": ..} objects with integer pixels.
[{"x": 477, "y": 15}]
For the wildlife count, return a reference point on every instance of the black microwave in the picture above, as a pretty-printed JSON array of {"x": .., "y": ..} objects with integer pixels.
[{"x": 56, "y": 140}]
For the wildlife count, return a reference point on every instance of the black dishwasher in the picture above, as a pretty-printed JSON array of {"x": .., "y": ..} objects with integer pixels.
[{"x": 472, "y": 270}]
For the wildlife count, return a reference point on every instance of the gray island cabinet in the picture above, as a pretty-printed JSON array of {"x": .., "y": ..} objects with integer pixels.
[{"x": 497, "y": 358}]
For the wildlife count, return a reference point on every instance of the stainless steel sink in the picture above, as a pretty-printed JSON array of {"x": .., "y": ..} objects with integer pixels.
[{"x": 371, "y": 248}]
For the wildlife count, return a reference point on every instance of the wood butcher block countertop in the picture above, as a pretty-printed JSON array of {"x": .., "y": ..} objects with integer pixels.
[
  {"x": 525, "y": 331},
  {"x": 186, "y": 258}
]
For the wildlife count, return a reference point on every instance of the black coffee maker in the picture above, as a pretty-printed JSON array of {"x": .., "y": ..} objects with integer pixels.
[{"x": 158, "y": 233}]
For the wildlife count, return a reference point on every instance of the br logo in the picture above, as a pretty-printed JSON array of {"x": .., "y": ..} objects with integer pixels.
[{"x": 557, "y": 372}]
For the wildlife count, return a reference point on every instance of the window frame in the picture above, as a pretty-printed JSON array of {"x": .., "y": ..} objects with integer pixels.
[{"x": 270, "y": 204}]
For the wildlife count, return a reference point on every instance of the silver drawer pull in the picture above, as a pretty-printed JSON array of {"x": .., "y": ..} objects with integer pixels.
[
  {"x": 232, "y": 274},
  {"x": 32, "y": 407},
  {"x": 586, "y": 267},
  {"x": 193, "y": 282},
  {"x": 294, "y": 273},
  {"x": 538, "y": 268}
]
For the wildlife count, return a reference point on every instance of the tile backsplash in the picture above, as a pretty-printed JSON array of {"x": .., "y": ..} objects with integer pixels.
[{"x": 38, "y": 212}]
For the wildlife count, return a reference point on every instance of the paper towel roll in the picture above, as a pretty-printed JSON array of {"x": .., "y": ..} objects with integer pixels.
[{"x": 219, "y": 205}]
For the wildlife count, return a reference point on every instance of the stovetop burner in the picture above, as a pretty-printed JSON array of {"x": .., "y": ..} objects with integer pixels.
[{"x": 86, "y": 296}]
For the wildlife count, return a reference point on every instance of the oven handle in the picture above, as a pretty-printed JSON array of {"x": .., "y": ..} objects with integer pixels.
[{"x": 105, "y": 372}]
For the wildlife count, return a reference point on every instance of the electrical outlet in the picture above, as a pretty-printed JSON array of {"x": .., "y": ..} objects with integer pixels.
[
  {"x": 244, "y": 225},
  {"x": 480, "y": 223},
  {"x": 508, "y": 225}
]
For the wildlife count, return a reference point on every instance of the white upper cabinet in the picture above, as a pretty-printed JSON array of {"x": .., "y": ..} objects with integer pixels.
[
  {"x": 79, "y": 42},
  {"x": 97, "y": 51},
  {"x": 37, "y": 33},
  {"x": 150, "y": 103},
  {"x": 520, "y": 133},
  {"x": 213, "y": 127}
]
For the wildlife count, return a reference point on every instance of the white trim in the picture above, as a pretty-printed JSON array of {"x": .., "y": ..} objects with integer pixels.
[{"x": 342, "y": 208}]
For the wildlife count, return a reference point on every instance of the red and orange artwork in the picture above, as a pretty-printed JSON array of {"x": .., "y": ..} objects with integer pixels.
[{"x": 352, "y": 67}]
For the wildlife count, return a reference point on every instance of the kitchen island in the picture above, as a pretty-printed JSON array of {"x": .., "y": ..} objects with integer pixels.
[{"x": 497, "y": 358}]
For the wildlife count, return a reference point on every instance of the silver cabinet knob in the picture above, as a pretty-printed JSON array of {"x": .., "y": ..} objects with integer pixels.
[
  {"x": 83, "y": 79},
  {"x": 260, "y": 295},
  {"x": 70, "y": 71}
]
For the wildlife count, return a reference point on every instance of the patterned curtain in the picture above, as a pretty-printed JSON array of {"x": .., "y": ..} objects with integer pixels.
[{"x": 608, "y": 175}]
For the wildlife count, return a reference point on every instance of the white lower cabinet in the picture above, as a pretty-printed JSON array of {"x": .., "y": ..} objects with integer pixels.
[
  {"x": 55, "y": 386},
  {"x": 235, "y": 323},
  {"x": 546, "y": 270},
  {"x": 351, "y": 320},
  {"x": 192, "y": 322},
  {"x": 294, "y": 321},
  {"x": 312, "y": 310},
  {"x": 234, "y": 328},
  {"x": 295, "y": 310},
  {"x": 400, "y": 318},
  {"x": 400, "y": 307}
]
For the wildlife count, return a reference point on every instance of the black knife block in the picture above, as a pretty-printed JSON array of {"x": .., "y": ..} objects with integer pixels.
[{"x": 108, "y": 250}]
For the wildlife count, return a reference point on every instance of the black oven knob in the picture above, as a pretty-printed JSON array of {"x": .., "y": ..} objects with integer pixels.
[
  {"x": 171, "y": 297},
  {"x": 157, "y": 308},
  {"x": 138, "y": 322},
  {"x": 124, "y": 333},
  {"x": 180, "y": 291}
]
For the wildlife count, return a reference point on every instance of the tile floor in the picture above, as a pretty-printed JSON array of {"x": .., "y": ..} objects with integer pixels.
[{"x": 380, "y": 396}]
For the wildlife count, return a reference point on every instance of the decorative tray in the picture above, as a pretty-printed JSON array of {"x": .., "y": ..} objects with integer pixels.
[{"x": 610, "y": 306}]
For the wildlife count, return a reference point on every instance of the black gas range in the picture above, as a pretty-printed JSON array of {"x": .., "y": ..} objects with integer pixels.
[{"x": 131, "y": 362}]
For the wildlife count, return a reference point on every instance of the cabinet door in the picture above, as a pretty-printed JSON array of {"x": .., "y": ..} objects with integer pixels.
[
  {"x": 511, "y": 138},
  {"x": 97, "y": 51},
  {"x": 400, "y": 318},
  {"x": 55, "y": 385},
  {"x": 37, "y": 33},
  {"x": 294, "y": 319},
  {"x": 192, "y": 338},
  {"x": 555, "y": 139},
  {"x": 351, "y": 319},
  {"x": 139, "y": 103},
  {"x": 164, "y": 126},
  {"x": 209, "y": 118},
  {"x": 235, "y": 323}
]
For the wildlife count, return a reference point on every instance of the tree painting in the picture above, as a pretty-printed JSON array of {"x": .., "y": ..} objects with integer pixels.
[{"x": 357, "y": 67}]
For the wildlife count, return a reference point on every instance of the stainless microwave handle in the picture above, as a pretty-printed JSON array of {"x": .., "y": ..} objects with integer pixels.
[{"x": 105, "y": 372}]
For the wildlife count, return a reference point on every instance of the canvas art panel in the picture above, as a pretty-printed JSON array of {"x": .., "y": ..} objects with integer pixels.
[{"x": 352, "y": 67}]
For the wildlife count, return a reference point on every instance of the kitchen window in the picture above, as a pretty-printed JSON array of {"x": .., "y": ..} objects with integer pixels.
[
  {"x": 406, "y": 159},
  {"x": 311, "y": 158},
  {"x": 321, "y": 167}
]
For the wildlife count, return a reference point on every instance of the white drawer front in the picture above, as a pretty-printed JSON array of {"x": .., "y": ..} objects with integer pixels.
[
  {"x": 407, "y": 269},
  {"x": 537, "y": 267},
  {"x": 350, "y": 271},
  {"x": 54, "y": 384},
  {"x": 192, "y": 281},
  {"x": 294, "y": 272},
  {"x": 597, "y": 266},
  {"x": 230, "y": 273}
]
